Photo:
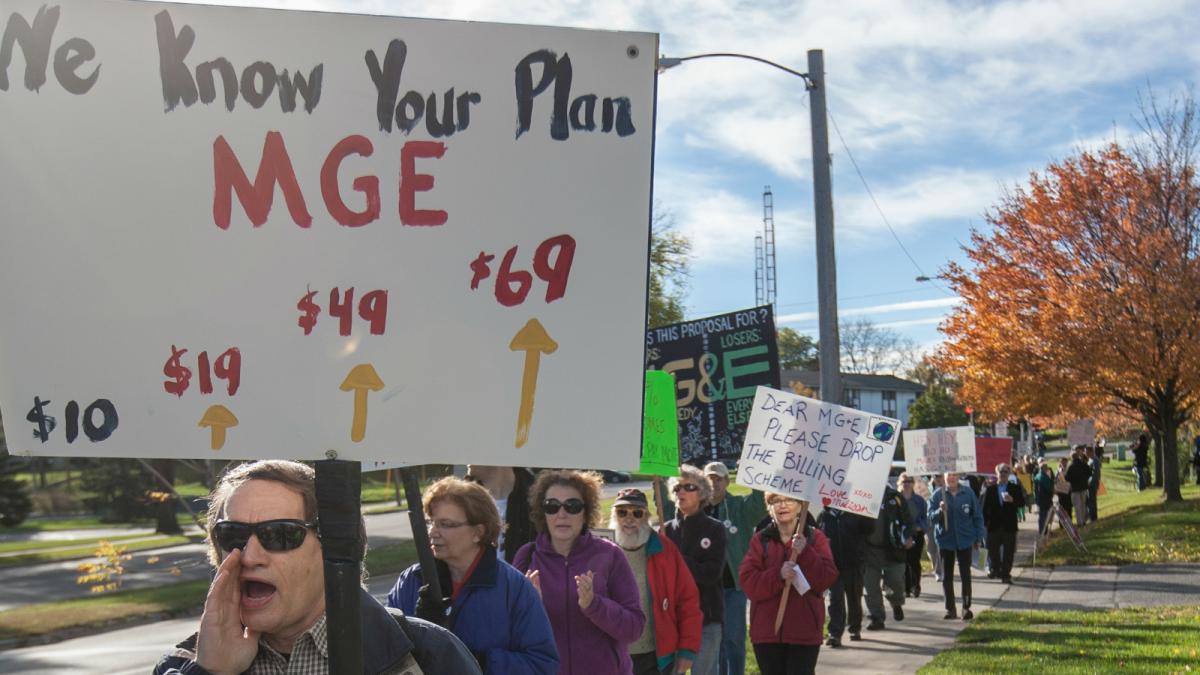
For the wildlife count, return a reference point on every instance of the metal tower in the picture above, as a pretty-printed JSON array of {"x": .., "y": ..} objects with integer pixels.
[
  {"x": 759, "y": 271},
  {"x": 769, "y": 285}
]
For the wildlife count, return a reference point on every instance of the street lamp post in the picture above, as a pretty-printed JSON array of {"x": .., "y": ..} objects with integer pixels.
[{"x": 829, "y": 355}]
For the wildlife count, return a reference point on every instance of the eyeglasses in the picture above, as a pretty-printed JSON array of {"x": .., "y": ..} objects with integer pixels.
[
  {"x": 686, "y": 487},
  {"x": 782, "y": 500},
  {"x": 445, "y": 525},
  {"x": 909, "y": 482},
  {"x": 625, "y": 513},
  {"x": 574, "y": 506},
  {"x": 273, "y": 535}
]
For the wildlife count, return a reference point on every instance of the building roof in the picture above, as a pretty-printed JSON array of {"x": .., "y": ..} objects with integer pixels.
[{"x": 812, "y": 380}]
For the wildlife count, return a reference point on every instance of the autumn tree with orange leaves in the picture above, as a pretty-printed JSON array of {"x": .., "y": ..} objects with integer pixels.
[{"x": 1087, "y": 290}]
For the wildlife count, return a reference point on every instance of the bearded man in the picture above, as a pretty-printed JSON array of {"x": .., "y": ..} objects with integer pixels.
[{"x": 671, "y": 639}]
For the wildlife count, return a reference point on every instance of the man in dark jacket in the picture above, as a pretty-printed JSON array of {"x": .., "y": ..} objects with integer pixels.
[
  {"x": 1001, "y": 502},
  {"x": 1141, "y": 460},
  {"x": 509, "y": 487},
  {"x": 884, "y": 558},
  {"x": 265, "y": 611},
  {"x": 847, "y": 534},
  {"x": 1094, "y": 462},
  {"x": 1078, "y": 475},
  {"x": 701, "y": 540}
]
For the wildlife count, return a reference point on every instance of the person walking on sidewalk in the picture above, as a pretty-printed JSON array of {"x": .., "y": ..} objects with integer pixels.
[
  {"x": 936, "y": 482},
  {"x": 1043, "y": 493},
  {"x": 885, "y": 552},
  {"x": 767, "y": 571},
  {"x": 1078, "y": 475},
  {"x": 740, "y": 514},
  {"x": 958, "y": 525},
  {"x": 1062, "y": 487},
  {"x": 917, "y": 509},
  {"x": 1001, "y": 502},
  {"x": 1093, "y": 461},
  {"x": 701, "y": 541},
  {"x": 847, "y": 534}
]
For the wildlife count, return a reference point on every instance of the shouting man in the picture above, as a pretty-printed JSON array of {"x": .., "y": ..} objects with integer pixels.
[{"x": 265, "y": 610}]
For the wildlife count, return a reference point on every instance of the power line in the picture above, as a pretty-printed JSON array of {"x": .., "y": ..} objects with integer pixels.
[{"x": 882, "y": 216}]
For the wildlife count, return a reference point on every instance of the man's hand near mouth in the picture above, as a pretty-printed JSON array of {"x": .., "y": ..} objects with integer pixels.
[{"x": 224, "y": 645}]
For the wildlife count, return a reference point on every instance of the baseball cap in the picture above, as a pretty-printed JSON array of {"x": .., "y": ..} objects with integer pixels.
[
  {"x": 631, "y": 497},
  {"x": 716, "y": 469}
]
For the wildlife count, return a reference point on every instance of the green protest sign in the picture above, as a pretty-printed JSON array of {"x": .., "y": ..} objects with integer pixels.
[{"x": 660, "y": 430}]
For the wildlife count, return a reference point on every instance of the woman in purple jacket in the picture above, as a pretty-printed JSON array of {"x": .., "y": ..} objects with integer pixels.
[{"x": 586, "y": 583}]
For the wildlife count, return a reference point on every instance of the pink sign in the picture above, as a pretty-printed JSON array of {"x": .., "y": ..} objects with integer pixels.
[{"x": 992, "y": 451}]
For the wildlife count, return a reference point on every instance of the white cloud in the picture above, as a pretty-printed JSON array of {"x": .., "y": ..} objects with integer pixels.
[
  {"x": 936, "y": 195},
  {"x": 889, "y": 308}
]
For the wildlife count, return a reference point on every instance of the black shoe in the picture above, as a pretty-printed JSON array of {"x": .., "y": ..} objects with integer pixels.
[
  {"x": 1006, "y": 580},
  {"x": 908, "y": 594},
  {"x": 834, "y": 642},
  {"x": 917, "y": 591},
  {"x": 991, "y": 575},
  {"x": 898, "y": 612},
  {"x": 951, "y": 614},
  {"x": 968, "y": 615},
  {"x": 855, "y": 636},
  {"x": 875, "y": 625}
]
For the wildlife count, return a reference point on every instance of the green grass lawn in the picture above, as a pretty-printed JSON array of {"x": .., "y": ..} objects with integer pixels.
[
  {"x": 1134, "y": 527},
  {"x": 97, "y": 610},
  {"x": 88, "y": 550},
  {"x": 1143, "y": 640}
]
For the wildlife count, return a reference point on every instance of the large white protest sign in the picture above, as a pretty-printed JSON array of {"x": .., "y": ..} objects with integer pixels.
[
  {"x": 929, "y": 451},
  {"x": 1081, "y": 432},
  {"x": 238, "y": 233},
  {"x": 819, "y": 452}
]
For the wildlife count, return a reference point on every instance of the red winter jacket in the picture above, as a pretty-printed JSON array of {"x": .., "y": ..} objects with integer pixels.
[
  {"x": 804, "y": 619},
  {"x": 675, "y": 600}
]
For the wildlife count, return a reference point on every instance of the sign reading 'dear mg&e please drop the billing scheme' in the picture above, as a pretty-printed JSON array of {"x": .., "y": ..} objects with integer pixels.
[
  {"x": 817, "y": 452},
  {"x": 239, "y": 233}
]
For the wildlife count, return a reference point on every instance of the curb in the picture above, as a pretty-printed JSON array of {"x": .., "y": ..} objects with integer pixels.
[{"x": 97, "y": 628}]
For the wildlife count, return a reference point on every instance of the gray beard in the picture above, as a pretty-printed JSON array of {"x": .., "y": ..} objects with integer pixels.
[{"x": 635, "y": 541}]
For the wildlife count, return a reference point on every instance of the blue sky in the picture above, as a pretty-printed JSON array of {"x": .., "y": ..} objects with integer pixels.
[{"x": 944, "y": 105}]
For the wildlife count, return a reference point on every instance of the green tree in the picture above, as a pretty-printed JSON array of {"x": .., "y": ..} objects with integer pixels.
[
  {"x": 796, "y": 351},
  {"x": 670, "y": 256},
  {"x": 119, "y": 487},
  {"x": 14, "y": 496},
  {"x": 936, "y": 408}
]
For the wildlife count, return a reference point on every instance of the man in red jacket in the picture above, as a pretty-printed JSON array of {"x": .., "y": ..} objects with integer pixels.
[{"x": 670, "y": 601}]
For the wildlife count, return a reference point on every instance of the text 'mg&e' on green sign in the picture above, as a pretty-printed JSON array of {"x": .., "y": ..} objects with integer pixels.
[{"x": 660, "y": 430}]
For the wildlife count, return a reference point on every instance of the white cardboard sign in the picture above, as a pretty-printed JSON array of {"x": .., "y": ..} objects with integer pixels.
[
  {"x": 1081, "y": 432},
  {"x": 245, "y": 233},
  {"x": 818, "y": 452},
  {"x": 929, "y": 451}
]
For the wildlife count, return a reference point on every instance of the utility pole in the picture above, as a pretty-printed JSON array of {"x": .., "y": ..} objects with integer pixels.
[{"x": 830, "y": 346}]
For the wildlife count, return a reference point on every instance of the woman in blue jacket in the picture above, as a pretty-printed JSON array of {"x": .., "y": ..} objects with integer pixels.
[
  {"x": 491, "y": 607},
  {"x": 957, "y": 522}
]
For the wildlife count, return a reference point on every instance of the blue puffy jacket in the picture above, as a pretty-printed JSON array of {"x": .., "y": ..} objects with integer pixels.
[
  {"x": 962, "y": 526},
  {"x": 497, "y": 614}
]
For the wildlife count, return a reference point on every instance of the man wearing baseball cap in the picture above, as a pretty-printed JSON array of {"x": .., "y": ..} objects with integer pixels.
[
  {"x": 739, "y": 515},
  {"x": 671, "y": 639}
]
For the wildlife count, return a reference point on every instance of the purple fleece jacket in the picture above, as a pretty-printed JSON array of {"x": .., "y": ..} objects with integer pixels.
[{"x": 593, "y": 640}]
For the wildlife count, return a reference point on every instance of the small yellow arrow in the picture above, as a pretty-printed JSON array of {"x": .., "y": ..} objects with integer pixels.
[
  {"x": 362, "y": 378},
  {"x": 218, "y": 418},
  {"x": 533, "y": 340}
]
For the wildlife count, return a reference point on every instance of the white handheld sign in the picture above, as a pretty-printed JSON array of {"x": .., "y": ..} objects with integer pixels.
[
  {"x": 818, "y": 452},
  {"x": 245, "y": 233},
  {"x": 929, "y": 451}
]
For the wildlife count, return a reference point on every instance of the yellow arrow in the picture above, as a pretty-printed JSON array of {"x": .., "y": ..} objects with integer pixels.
[
  {"x": 218, "y": 418},
  {"x": 533, "y": 340},
  {"x": 362, "y": 378}
]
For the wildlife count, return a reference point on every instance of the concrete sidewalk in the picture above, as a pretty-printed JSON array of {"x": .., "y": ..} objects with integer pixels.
[{"x": 1104, "y": 587}]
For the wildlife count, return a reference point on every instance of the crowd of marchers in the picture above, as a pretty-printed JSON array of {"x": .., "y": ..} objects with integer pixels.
[{"x": 531, "y": 581}]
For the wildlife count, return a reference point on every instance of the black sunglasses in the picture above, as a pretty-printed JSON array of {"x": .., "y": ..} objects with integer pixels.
[
  {"x": 273, "y": 535},
  {"x": 686, "y": 487},
  {"x": 637, "y": 513},
  {"x": 573, "y": 506}
]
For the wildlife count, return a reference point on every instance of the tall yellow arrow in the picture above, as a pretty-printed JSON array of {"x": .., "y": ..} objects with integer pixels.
[
  {"x": 362, "y": 378},
  {"x": 533, "y": 340},
  {"x": 218, "y": 418}
]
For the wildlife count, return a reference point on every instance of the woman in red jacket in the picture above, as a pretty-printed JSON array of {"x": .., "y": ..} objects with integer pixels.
[{"x": 764, "y": 572}]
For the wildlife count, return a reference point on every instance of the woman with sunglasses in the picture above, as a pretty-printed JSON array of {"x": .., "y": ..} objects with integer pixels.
[
  {"x": 491, "y": 606},
  {"x": 587, "y": 586},
  {"x": 701, "y": 539},
  {"x": 767, "y": 570}
]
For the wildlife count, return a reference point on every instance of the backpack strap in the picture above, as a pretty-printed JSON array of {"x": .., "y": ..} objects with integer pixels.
[{"x": 407, "y": 666}]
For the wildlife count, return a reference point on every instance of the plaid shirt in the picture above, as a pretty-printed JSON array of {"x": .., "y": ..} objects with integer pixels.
[{"x": 310, "y": 655}]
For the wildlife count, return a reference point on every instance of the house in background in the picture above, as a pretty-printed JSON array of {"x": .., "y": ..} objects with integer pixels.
[{"x": 886, "y": 395}]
